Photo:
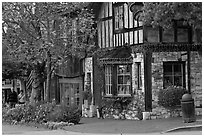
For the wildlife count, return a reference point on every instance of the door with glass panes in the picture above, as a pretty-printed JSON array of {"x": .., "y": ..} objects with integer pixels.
[{"x": 70, "y": 92}]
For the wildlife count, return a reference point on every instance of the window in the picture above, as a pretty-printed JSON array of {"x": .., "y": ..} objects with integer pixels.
[
  {"x": 8, "y": 82},
  {"x": 108, "y": 80},
  {"x": 119, "y": 21},
  {"x": 138, "y": 76},
  {"x": 182, "y": 35},
  {"x": 123, "y": 79},
  {"x": 77, "y": 94},
  {"x": 119, "y": 83},
  {"x": 174, "y": 74}
]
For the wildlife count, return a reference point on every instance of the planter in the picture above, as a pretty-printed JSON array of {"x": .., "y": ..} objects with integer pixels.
[
  {"x": 88, "y": 110},
  {"x": 146, "y": 115},
  {"x": 91, "y": 110}
]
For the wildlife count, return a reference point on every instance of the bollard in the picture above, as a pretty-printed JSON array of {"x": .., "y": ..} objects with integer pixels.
[{"x": 188, "y": 109}]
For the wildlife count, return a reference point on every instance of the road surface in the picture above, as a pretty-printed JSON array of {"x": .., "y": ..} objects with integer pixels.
[{"x": 28, "y": 130}]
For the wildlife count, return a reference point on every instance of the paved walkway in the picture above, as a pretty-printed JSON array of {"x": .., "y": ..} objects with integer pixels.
[{"x": 111, "y": 126}]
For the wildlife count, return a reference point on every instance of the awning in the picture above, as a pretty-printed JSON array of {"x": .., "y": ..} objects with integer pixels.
[{"x": 119, "y": 55}]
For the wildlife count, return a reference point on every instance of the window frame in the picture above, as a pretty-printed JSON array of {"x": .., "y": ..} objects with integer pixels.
[
  {"x": 139, "y": 75},
  {"x": 114, "y": 82},
  {"x": 118, "y": 19},
  {"x": 123, "y": 81},
  {"x": 110, "y": 85},
  {"x": 172, "y": 75}
]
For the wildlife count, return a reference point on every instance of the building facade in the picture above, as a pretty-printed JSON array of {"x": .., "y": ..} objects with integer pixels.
[{"x": 135, "y": 61}]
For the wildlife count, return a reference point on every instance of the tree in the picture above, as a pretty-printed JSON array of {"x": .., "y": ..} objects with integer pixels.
[
  {"x": 41, "y": 34},
  {"x": 162, "y": 13}
]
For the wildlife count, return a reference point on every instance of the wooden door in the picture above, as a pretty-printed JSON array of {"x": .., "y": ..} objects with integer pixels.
[{"x": 71, "y": 91}]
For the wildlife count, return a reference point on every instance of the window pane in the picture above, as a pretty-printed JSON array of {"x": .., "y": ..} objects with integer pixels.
[
  {"x": 173, "y": 74},
  {"x": 127, "y": 80},
  {"x": 168, "y": 35},
  {"x": 127, "y": 91},
  {"x": 124, "y": 79},
  {"x": 177, "y": 68},
  {"x": 168, "y": 81},
  {"x": 168, "y": 69},
  {"x": 121, "y": 17},
  {"x": 118, "y": 11},
  {"x": 120, "y": 89},
  {"x": 120, "y": 79},
  {"x": 108, "y": 81},
  {"x": 153, "y": 35},
  {"x": 178, "y": 80},
  {"x": 182, "y": 35}
]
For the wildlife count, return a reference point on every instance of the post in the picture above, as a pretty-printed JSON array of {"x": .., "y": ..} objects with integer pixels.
[
  {"x": 148, "y": 80},
  {"x": 189, "y": 68}
]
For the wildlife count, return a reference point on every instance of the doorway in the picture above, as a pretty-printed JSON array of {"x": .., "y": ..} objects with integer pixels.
[{"x": 71, "y": 91}]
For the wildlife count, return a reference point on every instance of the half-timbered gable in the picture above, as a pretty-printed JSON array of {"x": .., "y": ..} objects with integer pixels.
[{"x": 116, "y": 26}]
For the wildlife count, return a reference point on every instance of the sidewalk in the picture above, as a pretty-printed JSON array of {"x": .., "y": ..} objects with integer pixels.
[{"x": 111, "y": 126}]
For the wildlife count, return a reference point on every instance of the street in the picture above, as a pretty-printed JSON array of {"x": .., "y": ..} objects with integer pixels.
[{"x": 27, "y": 130}]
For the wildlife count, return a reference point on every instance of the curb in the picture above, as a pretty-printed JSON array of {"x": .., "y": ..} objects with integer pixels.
[{"x": 184, "y": 128}]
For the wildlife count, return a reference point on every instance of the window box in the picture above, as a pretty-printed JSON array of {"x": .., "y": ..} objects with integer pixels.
[{"x": 124, "y": 95}]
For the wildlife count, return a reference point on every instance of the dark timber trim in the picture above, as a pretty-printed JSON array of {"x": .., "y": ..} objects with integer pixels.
[
  {"x": 148, "y": 80},
  {"x": 114, "y": 80},
  {"x": 171, "y": 47}
]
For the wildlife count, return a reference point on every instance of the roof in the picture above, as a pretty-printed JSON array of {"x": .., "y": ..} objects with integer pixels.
[{"x": 118, "y": 55}]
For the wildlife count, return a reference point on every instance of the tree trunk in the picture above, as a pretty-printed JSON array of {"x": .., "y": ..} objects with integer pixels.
[
  {"x": 48, "y": 80},
  {"x": 37, "y": 88}
]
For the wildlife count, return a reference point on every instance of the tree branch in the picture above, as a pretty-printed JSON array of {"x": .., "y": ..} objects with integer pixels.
[{"x": 22, "y": 27}]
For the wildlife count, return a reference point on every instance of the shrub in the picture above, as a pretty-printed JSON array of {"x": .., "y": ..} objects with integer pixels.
[
  {"x": 63, "y": 113},
  {"x": 41, "y": 113},
  {"x": 171, "y": 97}
]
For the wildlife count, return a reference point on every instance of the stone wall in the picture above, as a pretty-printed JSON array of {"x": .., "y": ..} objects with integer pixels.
[
  {"x": 196, "y": 73},
  {"x": 157, "y": 81},
  {"x": 134, "y": 109},
  {"x": 196, "y": 78}
]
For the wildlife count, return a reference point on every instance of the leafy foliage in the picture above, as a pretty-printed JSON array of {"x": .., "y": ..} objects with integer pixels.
[
  {"x": 31, "y": 30},
  {"x": 65, "y": 114},
  {"x": 41, "y": 113},
  {"x": 43, "y": 35},
  {"x": 162, "y": 13},
  {"x": 171, "y": 96},
  {"x": 115, "y": 103}
]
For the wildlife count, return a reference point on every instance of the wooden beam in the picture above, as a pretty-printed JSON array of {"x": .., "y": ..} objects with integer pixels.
[
  {"x": 148, "y": 80},
  {"x": 159, "y": 47},
  {"x": 114, "y": 80}
]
